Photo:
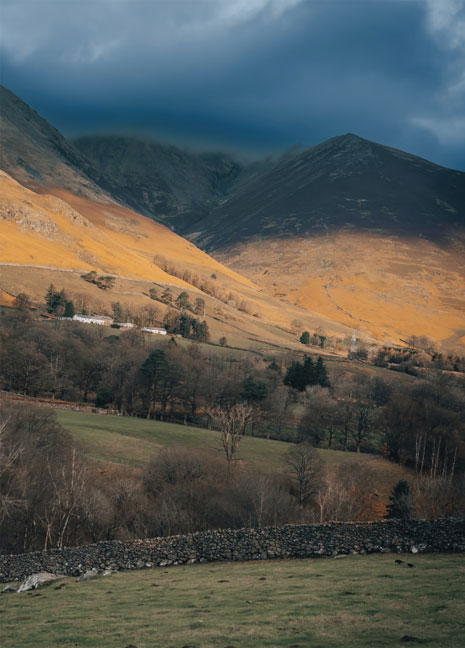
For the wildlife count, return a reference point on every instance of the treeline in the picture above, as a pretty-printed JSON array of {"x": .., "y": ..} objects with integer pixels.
[
  {"x": 81, "y": 363},
  {"x": 126, "y": 372},
  {"x": 414, "y": 359},
  {"x": 420, "y": 424},
  {"x": 416, "y": 422},
  {"x": 50, "y": 496}
]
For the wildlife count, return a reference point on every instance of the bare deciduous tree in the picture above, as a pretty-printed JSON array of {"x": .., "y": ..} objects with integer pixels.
[
  {"x": 349, "y": 494},
  {"x": 232, "y": 423},
  {"x": 363, "y": 426},
  {"x": 67, "y": 484},
  {"x": 9, "y": 455},
  {"x": 304, "y": 464}
]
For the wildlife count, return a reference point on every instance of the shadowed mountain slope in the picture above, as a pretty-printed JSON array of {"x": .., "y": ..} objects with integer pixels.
[
  {"x": 362, "y": 233},
  {"x": 171, "y": 185},
  {"x": 36, "y": 154},
  {"x": 346, "y": 183}
]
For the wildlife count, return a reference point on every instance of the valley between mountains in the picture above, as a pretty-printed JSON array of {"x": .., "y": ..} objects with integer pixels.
[{"x": 345, "y": 235}]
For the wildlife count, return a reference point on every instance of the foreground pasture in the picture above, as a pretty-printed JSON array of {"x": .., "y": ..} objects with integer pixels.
[{"x": 353, "y": 602}]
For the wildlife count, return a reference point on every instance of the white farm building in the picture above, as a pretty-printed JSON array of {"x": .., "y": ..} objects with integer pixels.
[
  {"x": 102, "y": 320},
  {"x": 153, "y": 330}
]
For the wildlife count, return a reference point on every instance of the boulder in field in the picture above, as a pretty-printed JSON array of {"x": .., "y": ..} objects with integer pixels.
[
  {"x": 90, "y": 573},
  {"x": 37, "y": 580}
]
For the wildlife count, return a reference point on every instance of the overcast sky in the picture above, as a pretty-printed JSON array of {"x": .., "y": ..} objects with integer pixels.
[{"x": 252, "y": 75}]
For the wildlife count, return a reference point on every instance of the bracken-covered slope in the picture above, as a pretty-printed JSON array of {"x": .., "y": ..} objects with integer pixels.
[
  {"x": 55, "y": 237},
  {"x": 67, "y": 231},
  {"x": 366, "y": 235}
]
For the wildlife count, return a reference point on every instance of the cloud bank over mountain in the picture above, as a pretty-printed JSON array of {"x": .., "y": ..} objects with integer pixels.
[{"x": 252, "y": 75}]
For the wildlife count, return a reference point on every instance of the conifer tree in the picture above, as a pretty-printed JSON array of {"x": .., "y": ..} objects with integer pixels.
[
  {"x": 401, "y": 502},
  {"x": 321, "y": 375},
  {"x": 69, "y": 309},
  {"x": 50, "y": 298}
]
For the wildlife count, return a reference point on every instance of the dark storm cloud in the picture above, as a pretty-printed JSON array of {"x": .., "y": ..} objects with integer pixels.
[{"x": 255, "y": 75}]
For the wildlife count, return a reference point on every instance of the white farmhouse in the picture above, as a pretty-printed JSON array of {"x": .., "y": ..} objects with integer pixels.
[
  {"x": 101, "y": 320},
  {"x": 153, "y": 330}
]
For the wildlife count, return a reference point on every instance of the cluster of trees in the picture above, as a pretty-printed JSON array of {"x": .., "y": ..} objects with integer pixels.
[
  {"x": 187, "y": 326},
  {"x": 420, "y": 424},
  {"x": 182, "y": 301},
  {"x": 104, "y": 282},
  {"x": 307, "y": 373},
  {"x": 57, "y": 302},
  {"x": 315, "y": 339},
  {"x": 424, "y": 427},
  {"x": 73, "y": 362},
  {"x": 417, "y": 357},
  {"x": 448, "y": 362}
]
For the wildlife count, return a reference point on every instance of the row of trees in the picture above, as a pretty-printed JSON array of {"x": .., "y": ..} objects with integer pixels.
[
  {"x": 203, "y": 284},
  {"x": 182, "y": 301}
]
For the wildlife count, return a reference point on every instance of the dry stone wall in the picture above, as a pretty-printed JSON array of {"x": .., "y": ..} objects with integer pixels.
[{"x": 301, "y": 541}]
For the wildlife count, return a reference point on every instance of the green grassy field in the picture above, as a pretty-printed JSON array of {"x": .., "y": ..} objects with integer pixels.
[
  {"x": 133, "y": 441},
  {"x": 355, "y": 602}
]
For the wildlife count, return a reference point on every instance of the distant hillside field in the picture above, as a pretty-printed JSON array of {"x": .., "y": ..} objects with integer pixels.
[
  {"x": 355, "y": 602},
  {"x": 132, "y": 441}
]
